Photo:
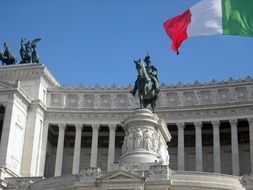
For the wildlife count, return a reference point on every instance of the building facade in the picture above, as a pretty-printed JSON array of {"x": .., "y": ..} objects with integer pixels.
[{"x": 51, "y": 130}]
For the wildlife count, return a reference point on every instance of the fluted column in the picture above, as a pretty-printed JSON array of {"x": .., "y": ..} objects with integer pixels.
[
  {"x": 77, "y": 149},
  {"x": 234, "y": 147},
  {"x": 198, "y": 142},
  {"x": 180, "y": 154},
  {"x": 250, "y": 121},
  {"x": 216, "y": 147},
  {"x": 43, "y": 150},
  {"x": 59, "y": 153},
  {"x": 111, "y": 148},
  {"x": 94, "y": 145}
]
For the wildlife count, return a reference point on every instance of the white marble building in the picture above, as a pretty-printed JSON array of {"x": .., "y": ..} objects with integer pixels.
[{"x": 49, "y": 130}]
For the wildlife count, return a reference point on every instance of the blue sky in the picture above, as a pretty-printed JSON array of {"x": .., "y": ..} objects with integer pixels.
[{"x": 93, "y": 42}]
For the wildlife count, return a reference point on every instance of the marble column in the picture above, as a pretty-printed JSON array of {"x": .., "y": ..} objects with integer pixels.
[
  {"x": 216, "y": 147},
  {"x": 250, "y": 121},
  {"x": 180, "y": 154},
  {"x": 43, "y": 150},
  {"x": 198, "y": 145},
  {"x": 234, "y": 147},
  {"x": 77, "y": 149},
  {"x": 94, "y": 145},
  {"x": 111, "y": 149},
  {"x": 59, "y": 153}
]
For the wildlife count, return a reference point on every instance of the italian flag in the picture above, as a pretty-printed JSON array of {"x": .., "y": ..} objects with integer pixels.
[{"x": 211, "y": 17}]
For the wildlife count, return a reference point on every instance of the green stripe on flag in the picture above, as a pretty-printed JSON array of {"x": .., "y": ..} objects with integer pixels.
[{"x": 237, "y": 17}]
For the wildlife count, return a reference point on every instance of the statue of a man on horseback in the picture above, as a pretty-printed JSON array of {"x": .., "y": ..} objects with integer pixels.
[{"x": 147, "y": 83}]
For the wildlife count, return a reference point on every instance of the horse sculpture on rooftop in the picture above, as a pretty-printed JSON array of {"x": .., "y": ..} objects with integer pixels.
[
  {"x": 147, "y": 85},
  {"x": 6, "y": 56}
]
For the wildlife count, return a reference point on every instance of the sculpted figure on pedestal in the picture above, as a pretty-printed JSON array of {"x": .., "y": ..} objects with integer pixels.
[
  {"x": 138, "y": 139},
  {"x": 146, "y": 84},
  {"x": 130, "y": 139},
  {"x": 147, "y": 140},
  {"x": 155, "y": 142},
  {"x": 28, "y": 52}
]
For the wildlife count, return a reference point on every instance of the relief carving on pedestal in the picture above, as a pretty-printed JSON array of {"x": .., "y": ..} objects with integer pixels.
[{"x": 145, "y": 139}]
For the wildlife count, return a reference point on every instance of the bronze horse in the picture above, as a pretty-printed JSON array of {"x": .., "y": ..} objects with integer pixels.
[
  {"x": 7, "y": 60},
  {"x": 7, "y": 57},
  {"x": 145, "y": 86}
]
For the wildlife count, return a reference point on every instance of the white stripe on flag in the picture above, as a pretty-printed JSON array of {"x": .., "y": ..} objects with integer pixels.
[{"x": 206, "y": 18}]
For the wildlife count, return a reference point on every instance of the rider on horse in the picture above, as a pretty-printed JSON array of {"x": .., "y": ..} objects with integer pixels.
[
  {"x": 152, "y": 72},
  {"x": 146, "y": 83}
]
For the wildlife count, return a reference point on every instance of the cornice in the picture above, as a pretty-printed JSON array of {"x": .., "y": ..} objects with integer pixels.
[
  {"x": 164, "y": 87},
  {"x": 170, "y": 116},
  {"x": 26, "y": 71}
]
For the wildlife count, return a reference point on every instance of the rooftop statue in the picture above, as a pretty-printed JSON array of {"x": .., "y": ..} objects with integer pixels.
[
  {"x": 28, "y": 52},
  {"x": 147, "y": 83},
  {"x": 7, "y": 57}
]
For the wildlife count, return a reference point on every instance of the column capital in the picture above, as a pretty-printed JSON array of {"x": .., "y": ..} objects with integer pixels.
[
  {"x": 79, "y": 126},
  {"x": 61, "y": 125},
  {"x": 112, "y": 126},
  {"x": 233, "y": 122},
  {"x": 4, "y": 104},
  {"x": 180, "y": 125},
  {"x": 215, "y": 123},
  {"x": 198, "y": 124},
  {"x": 95, "y": 126},
  {"x": 250, "y": 121}
]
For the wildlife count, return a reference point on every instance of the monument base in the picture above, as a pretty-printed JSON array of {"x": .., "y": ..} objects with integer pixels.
[{"x": 145, "y": 140}]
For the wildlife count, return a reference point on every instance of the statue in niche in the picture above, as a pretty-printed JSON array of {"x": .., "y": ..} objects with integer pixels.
[
  {"x": 7, "y": 57},
  {"x": 28, "y": 52},
  {"x": 147, "y": 83}
]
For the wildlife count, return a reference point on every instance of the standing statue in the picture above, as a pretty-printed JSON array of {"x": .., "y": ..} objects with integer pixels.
[
  {"x": 146, "y": 83},
  {"x": 7, "y": 57},
  {"x": 28, "y": 52}
]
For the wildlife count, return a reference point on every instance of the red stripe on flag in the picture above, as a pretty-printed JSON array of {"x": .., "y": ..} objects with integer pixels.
[{"x": 176, "y": 28}]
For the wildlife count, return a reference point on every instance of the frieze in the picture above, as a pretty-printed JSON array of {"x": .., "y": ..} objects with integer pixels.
[
  {"x": 194, "y": 98},
  {"x": 88, "y": 118},
  {"x": 207, "y": 114},
  {"x": 215, "y": 99}
]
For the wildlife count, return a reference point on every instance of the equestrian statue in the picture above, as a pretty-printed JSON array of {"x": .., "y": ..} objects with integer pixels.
[{"x": 147, "y": 83}]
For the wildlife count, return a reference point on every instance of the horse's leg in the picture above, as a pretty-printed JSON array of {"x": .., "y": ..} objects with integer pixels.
[
  {"x": 153, "y": 104},
  {"x": 145, "y": 104},
  {"x": 141, "y": 101}
]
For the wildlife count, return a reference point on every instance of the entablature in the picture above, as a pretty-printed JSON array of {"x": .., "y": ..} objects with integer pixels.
[{"x": 194, "y": 96}]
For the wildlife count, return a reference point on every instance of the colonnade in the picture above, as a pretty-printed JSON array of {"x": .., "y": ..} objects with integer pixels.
[
  {"x": 77, "y": 147},
  {"x": 180, "y": 146},
  {"x": 216, "y": 146}
]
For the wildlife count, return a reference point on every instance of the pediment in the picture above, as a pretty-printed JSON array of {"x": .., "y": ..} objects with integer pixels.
[
  {"x": 6, "y": 85},
  {"x": 122, "y": 176}
]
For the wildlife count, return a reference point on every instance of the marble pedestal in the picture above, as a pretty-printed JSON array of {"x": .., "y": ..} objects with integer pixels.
[{"x": 145, "y": 140}]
